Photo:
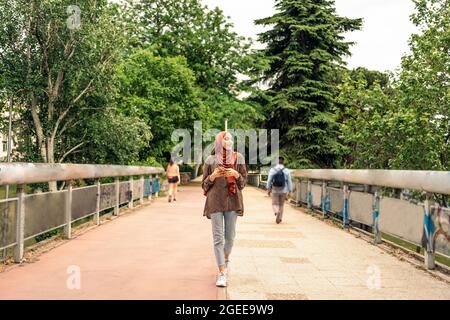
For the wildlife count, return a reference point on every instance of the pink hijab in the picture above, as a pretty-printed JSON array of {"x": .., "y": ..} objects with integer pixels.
[{"x": 226, "y": 158}]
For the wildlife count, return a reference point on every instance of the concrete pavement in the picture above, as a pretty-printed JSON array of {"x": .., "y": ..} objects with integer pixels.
[{"x": 305, "y": 258}]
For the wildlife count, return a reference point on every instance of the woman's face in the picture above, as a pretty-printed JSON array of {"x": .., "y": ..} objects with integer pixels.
[{"x": 227, "y": 141}]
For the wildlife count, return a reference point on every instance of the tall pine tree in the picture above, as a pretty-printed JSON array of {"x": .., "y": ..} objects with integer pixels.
[{"x": 305, "y": 48}]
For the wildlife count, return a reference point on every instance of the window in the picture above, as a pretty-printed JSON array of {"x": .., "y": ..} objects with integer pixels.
[{"x": 5, "y": 146}]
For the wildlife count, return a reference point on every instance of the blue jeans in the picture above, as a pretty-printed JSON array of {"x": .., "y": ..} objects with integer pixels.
[{"x": 224, "y": 231}]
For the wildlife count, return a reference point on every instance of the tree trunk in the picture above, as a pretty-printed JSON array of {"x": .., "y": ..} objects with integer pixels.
[{"x": 52, "y": 185}]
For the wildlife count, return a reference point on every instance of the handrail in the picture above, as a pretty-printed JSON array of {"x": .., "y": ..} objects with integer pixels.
[
  {"x": 24, "y": 173},
  {"x": 21, "y": 174},
  {"x": 427, "y": 181}
]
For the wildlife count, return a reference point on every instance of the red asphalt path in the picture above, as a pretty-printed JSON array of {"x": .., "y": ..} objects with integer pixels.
[{"x": 159, "y": 251}]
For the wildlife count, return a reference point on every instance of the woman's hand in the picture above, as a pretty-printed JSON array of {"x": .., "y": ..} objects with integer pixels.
[
  {"x": 216, "y": 173},
  {"x": 231, "y": 173}
]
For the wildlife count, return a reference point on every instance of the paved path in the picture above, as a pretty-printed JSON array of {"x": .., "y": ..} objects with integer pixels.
[
  {"x": 161, "y": 251},
  {"x": 164, "y": 251},
  {"x": 305, "y": 258}
]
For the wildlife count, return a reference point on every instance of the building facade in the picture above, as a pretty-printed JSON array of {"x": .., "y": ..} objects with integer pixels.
[{"x": 4, "y": 146}]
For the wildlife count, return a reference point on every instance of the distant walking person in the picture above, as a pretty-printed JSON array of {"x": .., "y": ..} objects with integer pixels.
[
  {"x": 173, "y": 177},
  {"x": 224, "y": 176},
  {"x": 279, "y": 186}
]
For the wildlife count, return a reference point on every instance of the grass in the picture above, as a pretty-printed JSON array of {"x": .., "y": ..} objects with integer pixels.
[
  {"x": 12, "y": 191},
  {"x": 413, "y": 247}
]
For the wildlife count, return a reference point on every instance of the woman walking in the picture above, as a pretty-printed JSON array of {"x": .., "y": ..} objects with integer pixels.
[
  {"x": 224, "y": 176},
  {"x": 173, "y": 177}
]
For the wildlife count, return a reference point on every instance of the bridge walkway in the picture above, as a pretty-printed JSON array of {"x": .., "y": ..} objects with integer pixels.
[{"x": 163, "y": 251}]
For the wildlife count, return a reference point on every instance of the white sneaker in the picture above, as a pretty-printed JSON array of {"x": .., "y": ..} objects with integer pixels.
[{"x": 221, "y": 280}]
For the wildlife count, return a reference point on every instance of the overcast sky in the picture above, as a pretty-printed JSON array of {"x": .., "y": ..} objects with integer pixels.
[{"x": 379, "y": 46}]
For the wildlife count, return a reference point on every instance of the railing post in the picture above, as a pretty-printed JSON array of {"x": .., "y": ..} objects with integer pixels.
[
  {"x": 130, "y": 203},
  {"x": 141, "y": 196},
  {"x": 309, "y": 195},
  {"x": 68, "y": 215},
  {"x": 20, "y": 224},
  {"x": 325, "y": 199},
  {"x": 5, "y": 221},
  {"x": 151, "y": 187},
  {"x": 429, "y": 229},
  {"x": 376, "y": 214},
  {"x": 158, "y": 186},
  {"x": 345, "y": 208},
  {"x": 97, "y": 206},
  {"x": 297, "y": 191},
  {"x": 116, "y": 208}
]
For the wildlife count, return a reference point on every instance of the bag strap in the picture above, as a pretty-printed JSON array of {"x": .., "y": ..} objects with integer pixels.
[{"x": 281, "y": 170}]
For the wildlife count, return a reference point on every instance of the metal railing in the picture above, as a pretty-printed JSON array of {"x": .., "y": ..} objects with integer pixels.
[
  {"x": 29, "y": 215},
  {"x": 356, "y": 196}
]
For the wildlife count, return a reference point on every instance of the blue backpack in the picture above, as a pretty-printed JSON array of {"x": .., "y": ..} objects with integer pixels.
[{"x": 278, "y": 179}]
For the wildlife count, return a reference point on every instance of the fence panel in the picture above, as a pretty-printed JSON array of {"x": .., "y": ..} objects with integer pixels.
[
  {"x": 137, "y": 187},
  {"x": 155, "y": 185},
  {"x": 263, "y": 181},
  {"x": 44, "y": 211},
  {"x": 401, "y": 218},
  {"x": 316, "y": 192},
  {"x": 336, "y": 200},
  {"x": 303, "y": 191},
  {"x": 361, "y": 207},
  {"x": 7, "y": 223},
  {"x": 124, "y": 192},
  {"x": 107, "y": 196},
  {"x": 253, "y": 180},
  {"x": 147, "y": 188},
  {"x": 441, "y": 219},
  {"x": 84, "y": 202}
]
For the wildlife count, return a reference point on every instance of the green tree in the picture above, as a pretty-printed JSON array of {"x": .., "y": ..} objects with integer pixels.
[
  {"x": 364, "y": 112},
  {"x": 59, "y": 61},
  {"x": 161, "y": 91},
  {"x": 241, "y": 113},
  {"x": 305, "y": 47},
  {"x": 112, "y": 137},
  {"x": 404, "y": 124},
  {"x": 187, "y": 28},
  {"x": 371, "y": 77},
  {"x": 424, "y": 91},
  {"x": 218, "y": 57},
  {"x": 108, "y": 137}
]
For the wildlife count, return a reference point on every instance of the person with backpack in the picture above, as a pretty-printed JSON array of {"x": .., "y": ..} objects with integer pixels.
[{"x": 279, "y": 186}]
